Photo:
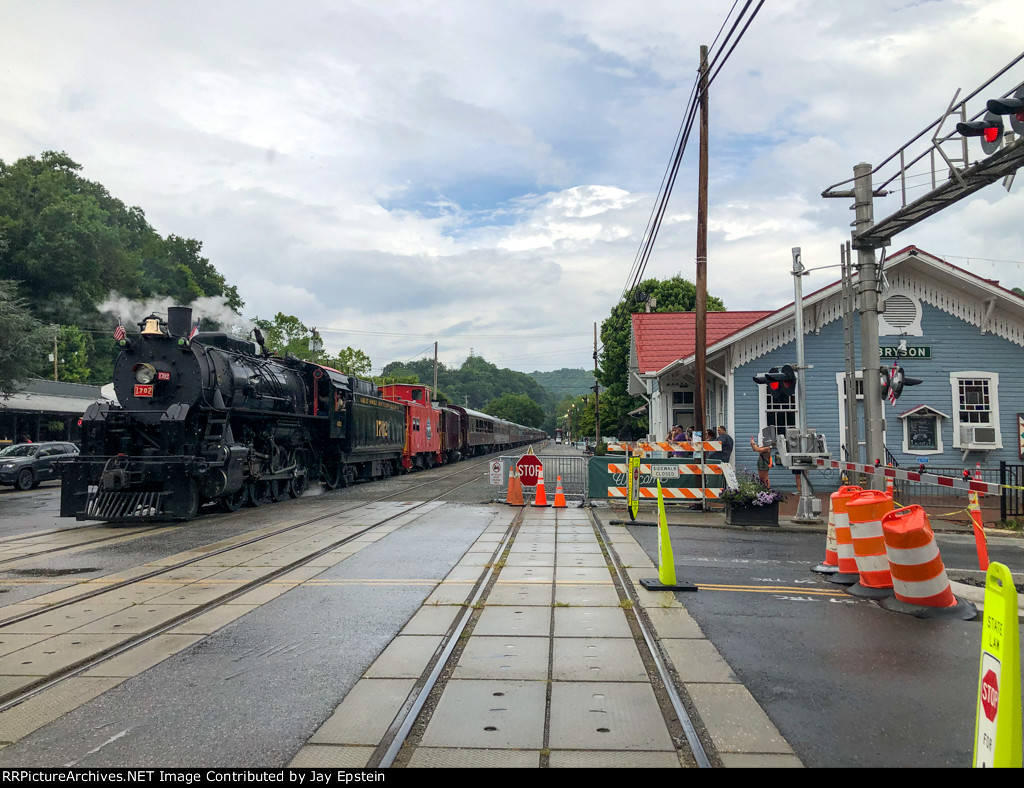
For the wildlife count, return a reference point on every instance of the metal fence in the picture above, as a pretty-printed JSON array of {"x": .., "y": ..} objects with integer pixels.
[
  {"x": 573, "y": 471},
  {"x": 1011, "y": 502}
]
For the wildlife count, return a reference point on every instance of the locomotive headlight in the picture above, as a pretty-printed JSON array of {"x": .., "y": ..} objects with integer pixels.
[{"x": 144, "y": 373}]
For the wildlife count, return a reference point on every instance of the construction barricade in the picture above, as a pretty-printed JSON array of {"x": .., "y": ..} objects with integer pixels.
[
  {"x": 920, "y": 584},
  {"x": 866, "y": 511},
  {"x": 846, "y": 561},
  {"x": 681, "y": 480}
]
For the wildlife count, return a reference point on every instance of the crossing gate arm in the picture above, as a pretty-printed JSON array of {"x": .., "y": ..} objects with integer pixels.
[{"x": 966, "y": 485}]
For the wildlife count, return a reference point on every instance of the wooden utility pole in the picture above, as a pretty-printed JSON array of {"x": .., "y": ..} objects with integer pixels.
[
  {"x": 435, "y": 370},
  {"x": 701, "y": 316}
]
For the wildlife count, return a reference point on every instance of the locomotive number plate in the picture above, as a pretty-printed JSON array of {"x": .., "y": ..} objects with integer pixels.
[{"x": 143, "y": 391}]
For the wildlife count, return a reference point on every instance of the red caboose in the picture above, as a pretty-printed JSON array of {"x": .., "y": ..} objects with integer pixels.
[{"x": 422, "y": 424}]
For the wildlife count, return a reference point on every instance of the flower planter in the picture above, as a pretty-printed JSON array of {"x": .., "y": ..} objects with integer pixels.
[{"x": 752, "y": 515}]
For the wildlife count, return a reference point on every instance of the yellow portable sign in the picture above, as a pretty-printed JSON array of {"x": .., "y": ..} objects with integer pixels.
[
  {"x": 633, "y": 491},
  {"x": 997, "y": 728}
]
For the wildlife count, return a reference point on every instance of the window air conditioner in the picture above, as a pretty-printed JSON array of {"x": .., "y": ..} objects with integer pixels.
[{"x": 974, "y": 435}]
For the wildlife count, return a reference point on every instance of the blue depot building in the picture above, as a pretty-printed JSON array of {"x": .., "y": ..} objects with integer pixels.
[{"x": 958, "y": 333}]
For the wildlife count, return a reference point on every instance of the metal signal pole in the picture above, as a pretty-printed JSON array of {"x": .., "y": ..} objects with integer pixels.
[
  {"x": 867, "y": 269},
  {"x": 701, "y": 307}
]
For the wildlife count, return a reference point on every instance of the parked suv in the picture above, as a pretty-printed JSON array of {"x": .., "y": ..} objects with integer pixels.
[{"x": 24, "y": 465}]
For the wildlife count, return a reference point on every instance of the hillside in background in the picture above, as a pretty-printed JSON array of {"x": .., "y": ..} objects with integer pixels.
[{"x": 562, "y": 383}]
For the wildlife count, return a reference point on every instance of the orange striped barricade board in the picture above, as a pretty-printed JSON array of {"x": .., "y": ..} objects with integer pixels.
[
  {"x": 681, "y": 481},
  {"x": 919, "y": 577},
  {"x": 866, "y": 511},
  {"x": 831, "y": 563},
  {"x": 669, "y": 446},
  {"x": 845, "y": 558}
]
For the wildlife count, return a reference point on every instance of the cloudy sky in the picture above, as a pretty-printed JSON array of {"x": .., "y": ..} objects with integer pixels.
[{"x": 481, "y": 172}]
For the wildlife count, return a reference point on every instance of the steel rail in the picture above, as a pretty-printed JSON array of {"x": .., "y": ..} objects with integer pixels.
[
  {"x": 397, "y": 734},
  {"x": 180, "y": 565},
  {"x": 692, "y": 738},
  {"x": 20, "y": 695}
]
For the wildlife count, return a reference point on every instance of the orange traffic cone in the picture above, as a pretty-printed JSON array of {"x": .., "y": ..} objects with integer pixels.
[
  {"x": 541, "y": 498},
  {"x": 515, "y": 490},
  {"x": 559, "y": 496},
  {"x": 918, "y": 575}
]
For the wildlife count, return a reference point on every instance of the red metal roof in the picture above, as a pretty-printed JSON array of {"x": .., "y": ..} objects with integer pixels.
[{"x": 664, "y": 337}]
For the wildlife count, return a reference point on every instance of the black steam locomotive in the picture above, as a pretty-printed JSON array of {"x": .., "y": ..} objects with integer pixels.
[
  {"x": 209, "y": 416},
  {"x": 205, "y": 416}
]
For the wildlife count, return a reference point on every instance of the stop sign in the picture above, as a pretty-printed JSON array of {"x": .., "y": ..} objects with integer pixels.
[
  {"x": 529, "y": 469},
  {"x": 990, "y": 695}
]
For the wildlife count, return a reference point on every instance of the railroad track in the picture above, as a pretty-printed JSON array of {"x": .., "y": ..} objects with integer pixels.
[
  {"x": 321, "y": 538},
  {"x": 406, "y": 731},
  {"x": 320, "y": 543}
]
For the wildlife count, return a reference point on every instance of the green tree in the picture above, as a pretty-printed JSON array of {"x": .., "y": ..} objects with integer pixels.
[
  {"x": 69, "y": 244},
  {"x": 517, "y": 408},
  {"x": 23, "y": 340},
  {"x": 72, "y": 355},
  {"x": 673, "y": 295},
  {"x": 351, "y": 362},
  {"x": 288, "y": 336}
]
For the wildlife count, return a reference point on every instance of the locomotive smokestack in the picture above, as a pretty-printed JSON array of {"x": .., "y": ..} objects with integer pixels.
[{"x": 179, "y": 320}]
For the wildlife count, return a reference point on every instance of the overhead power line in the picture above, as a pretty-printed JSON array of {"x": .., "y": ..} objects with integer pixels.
[{"x": 643, "y": 255}]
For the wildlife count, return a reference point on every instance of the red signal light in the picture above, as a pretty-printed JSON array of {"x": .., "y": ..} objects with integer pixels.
[
  {"x": 774, "y": 385},
  {"x": 992, "y": 134}
]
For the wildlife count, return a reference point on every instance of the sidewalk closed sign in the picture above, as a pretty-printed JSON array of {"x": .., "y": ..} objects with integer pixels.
[{"x": 997, "y": 730}]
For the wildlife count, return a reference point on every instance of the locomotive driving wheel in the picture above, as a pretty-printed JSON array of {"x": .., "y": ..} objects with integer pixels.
[
  {"x": 300, "y": 479},
  {"x": 235, "y": 501},
  {"x": 258, "y": 492},
  {"x": 277, "y": 487},
  {"x": 330, "y": 469}
]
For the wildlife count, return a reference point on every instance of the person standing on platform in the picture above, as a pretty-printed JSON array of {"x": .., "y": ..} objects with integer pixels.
[
  {"x": 764, "y": 462},
  {"x": 725, "y": 455},
  {"x": 676, "y": 435}
]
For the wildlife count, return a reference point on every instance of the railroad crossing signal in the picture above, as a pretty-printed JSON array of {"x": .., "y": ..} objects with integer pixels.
[
  {"x": 894, "y": 380},
  {"x": 530, "y": 469},
  {"x": 990, "y": 127},
  {"x": 781, "y": 382},
  {"x": 1012, "y": 106}
]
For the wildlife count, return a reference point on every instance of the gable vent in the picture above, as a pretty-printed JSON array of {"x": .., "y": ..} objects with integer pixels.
[{"x": 900, "y": 311}]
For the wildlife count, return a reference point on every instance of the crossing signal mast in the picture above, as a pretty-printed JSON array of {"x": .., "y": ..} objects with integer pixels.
[{"x": 944, "y": 157}]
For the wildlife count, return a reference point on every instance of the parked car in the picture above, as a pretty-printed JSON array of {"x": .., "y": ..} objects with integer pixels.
[{"x": 25, "y": 465}]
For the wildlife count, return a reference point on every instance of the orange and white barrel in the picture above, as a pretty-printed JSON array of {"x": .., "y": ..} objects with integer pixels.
[
  {"x": 918, "y": 574},
  {"x": 866, "y": 511},
  {"x": 831, "y": 562},
  {"x": 845, "y": 559}
]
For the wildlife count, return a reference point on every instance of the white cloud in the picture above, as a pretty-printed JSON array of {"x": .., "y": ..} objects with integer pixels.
[{"x": 410, "y": 167}]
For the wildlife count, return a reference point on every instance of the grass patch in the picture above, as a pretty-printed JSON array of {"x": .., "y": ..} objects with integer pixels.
[{"x": 626, "y": 604}]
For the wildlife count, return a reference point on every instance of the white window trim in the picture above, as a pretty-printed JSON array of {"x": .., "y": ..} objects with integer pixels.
[
  {"x": 862, "y": 439},
  {"x": 762, "y": 409},
  {"x": 938, "y": 432},
  {"x": 993, "y": 390}
]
